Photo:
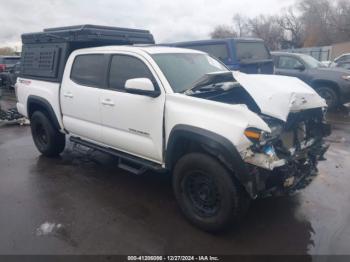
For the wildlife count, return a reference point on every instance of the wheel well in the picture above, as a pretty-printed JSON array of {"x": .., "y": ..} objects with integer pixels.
[
  {"x": 182, "y": 147},
  {"x": 32, "y": 107},
  {"x": 40, "y": 104},
  {"x": 324, "y": 83},
  {"x": 184, "y": 139}
]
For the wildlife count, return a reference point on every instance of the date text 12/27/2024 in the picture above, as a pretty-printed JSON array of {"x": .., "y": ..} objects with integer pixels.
[{"x": 173, "y": 258}]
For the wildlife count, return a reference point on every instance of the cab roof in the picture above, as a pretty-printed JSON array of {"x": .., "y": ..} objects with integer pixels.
[
  {"x": 214, "y": 41},
  {"x": 150, "y": 49}
]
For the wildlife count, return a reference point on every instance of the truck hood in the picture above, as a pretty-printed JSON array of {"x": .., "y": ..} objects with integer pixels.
[{"x": 277, "y": 96}]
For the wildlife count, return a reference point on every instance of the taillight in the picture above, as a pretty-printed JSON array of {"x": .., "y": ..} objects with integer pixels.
[{"x": 2, "y": 67}]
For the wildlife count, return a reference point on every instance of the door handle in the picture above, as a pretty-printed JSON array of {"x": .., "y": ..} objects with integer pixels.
[
  {"x": 107, "y": 102},
  {"x": 68, "y": 94}
]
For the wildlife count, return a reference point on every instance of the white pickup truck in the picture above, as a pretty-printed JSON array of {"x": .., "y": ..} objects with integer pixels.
[{"x": 226, "y": 137}]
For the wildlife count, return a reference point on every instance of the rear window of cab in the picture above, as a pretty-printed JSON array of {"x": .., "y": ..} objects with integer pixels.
[
  {"x": 250, "y": 51},
  {"x": 218, "y": 50}
]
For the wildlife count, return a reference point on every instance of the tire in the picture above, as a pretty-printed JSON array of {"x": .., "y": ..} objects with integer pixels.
[
  {"x": 329, "y": 95},
  {"x": 48, "y": 140},
  {"x": 207, "y": 194}
]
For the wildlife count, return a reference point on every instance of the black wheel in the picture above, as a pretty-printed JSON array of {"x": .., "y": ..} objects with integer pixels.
[
  {"x": 49, "y": 141},
  {"x": 329, "y": 95},
  {"x": 206, "y": 192}
]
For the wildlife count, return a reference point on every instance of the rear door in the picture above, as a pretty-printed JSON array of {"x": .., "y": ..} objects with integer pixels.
[
  {"x": 132, "y": 123},
  {"x": 253, "y": 57},
  {"x": 80, "y": 95}
]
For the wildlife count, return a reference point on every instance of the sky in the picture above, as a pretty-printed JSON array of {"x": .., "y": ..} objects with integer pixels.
[{"x": 169, "y": 21}]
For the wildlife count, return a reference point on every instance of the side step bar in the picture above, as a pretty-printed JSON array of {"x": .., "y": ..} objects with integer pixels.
[
  {"x": 126, "y": 161},
  {"x": 131, "y": 167}
]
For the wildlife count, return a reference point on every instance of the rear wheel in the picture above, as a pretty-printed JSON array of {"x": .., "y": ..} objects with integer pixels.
[
  {"x": 206, "y": 192},
  {"x": 329, "y": 95},
  {"x": 48, "y": 140}
]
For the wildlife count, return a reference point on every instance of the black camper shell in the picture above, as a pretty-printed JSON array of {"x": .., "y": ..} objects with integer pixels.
[{"x": 44, "y": 54}]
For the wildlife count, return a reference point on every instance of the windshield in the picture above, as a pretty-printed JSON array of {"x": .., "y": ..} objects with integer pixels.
[
  {"x": 311, "y": 62},
  {"x": 183, "y": 69}
]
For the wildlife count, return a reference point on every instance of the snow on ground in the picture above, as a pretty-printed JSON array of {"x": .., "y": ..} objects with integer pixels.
[{"x": 47, "y": 228}]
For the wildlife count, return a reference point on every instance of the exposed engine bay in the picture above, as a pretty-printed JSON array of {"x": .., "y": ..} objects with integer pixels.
[{"x": 285, "y": 159}]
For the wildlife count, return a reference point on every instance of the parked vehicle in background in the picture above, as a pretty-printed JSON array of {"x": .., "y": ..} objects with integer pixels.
[
  {"x": 248, "y": 55},
  {"x": 15, "y": 72},
  {"x": 326, "y": 63},
  {"x": 333, "y": 84},
  {"x": 7, "y": 70},
  {"x": 8, "y": 62},
  {"x": 177, "y": 111},
  {"x": 342, "y": 61}
]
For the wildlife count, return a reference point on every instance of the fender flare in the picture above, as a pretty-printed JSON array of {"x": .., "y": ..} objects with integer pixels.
[
  {"x": 316, "y": 82},
  {"x": 43, "y": 103},
  {"x": 218, "y": 143}
]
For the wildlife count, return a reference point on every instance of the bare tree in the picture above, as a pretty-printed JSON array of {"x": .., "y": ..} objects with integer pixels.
[
  {"x": 241, "y": 26},
  {"x": 7, "y": 51},
  {"x": 267, "y": 28},
  {"x": 307, "y": 23},
  {"x": 223, "y": 31},
  {"x": 316, "y": 16},
  {"x": 340, "y": 21},
  {"x": 294, "y": 31}
]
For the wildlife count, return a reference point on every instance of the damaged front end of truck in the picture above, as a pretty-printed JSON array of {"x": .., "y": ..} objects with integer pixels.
[{"x": 285, "y": 159}]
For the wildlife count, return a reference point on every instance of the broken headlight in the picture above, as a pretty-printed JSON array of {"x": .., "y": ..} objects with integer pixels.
[
  {"x": 256, "y": 135},
  {"x": 261, "y": 137}
]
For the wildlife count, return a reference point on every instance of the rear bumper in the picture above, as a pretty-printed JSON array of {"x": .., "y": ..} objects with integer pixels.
[{"x": 344, "y": 95}]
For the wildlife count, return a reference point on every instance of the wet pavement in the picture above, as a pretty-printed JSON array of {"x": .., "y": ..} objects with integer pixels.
[{"x": 81, "y": 203}]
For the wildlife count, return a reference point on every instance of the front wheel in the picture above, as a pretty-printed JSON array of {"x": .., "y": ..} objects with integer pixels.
[
  {"x": 206, "y": 192},
  {"x": 48, "y": 140},
  {"x": 329, "y": 95}
]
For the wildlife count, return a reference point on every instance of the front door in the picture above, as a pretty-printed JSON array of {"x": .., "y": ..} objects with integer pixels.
[
  {"x": 132, "y": 123},
  {"x": 290, "y": 66}
]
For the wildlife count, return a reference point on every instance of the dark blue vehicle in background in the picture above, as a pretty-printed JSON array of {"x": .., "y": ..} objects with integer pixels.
[{"x": 248, "y": 55}]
